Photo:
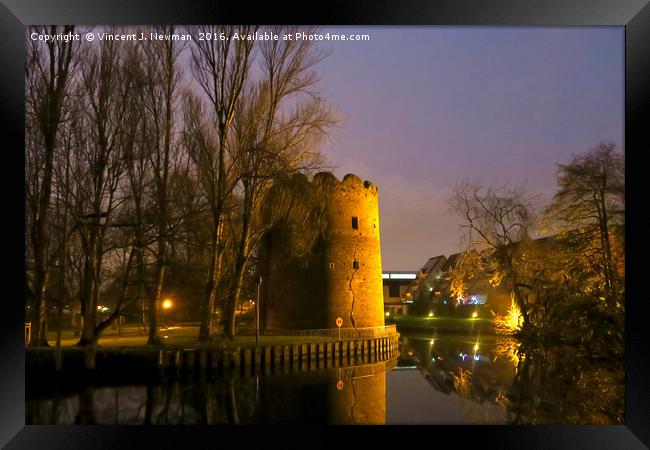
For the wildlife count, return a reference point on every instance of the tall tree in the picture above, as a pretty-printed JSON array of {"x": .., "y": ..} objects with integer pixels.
[
  {"x": 221, "y": 68},
  {"x": 277, "y": 127},
  {"x": 107, "y": 79},
  {"x": 496, "y": 218},
  {"x": 589, "y": 205},
  {"x": 162, "y": 77},
  {"x": 49, "y": 71}
]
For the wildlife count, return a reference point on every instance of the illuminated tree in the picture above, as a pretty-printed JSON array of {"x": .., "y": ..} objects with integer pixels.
[
  {"x": 277, "y": 128},
  {"x": 588, "y": 209},
  {"x": 496, "y": 218},
  {"x": 221, "y": 68}
]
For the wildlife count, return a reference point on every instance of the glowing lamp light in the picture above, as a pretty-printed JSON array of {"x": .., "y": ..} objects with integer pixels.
[
  {"x": 387, "y": 313},
  {"x": 431, "y": 314},
  {"x": 476, "y": 347},
  {"x": 474, "y": 315},
  {"x": 167, "y": 303}
]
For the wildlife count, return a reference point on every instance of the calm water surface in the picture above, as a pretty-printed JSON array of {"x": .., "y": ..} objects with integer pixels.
[{"x": 438, "y": 379}]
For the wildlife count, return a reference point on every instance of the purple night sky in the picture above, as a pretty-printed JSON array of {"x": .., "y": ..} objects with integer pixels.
[{"x": 425, "y": 107}]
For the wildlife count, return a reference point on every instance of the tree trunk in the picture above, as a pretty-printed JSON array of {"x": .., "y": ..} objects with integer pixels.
[
  {"x": 89, "y": 310},
  {"x": 155, "y": 300},
  {"x": 57, "y": 351},
  {"x": 90, "y": 353},
  {"x": 233, "y": 298},
  {"x": 48, "y": 121},
  {"x": 40, "y": 239},
  {"x": 604, "y": 231},
  {"x": 209, "y": 298},
  {"x": 39, "y": 324},
  {"x": 238, "y": 281}
]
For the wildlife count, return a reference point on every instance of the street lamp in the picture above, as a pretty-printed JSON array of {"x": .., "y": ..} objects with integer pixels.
[{"x": 167, "y": 304}]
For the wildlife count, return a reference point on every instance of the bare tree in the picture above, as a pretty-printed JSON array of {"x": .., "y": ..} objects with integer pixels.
[
  {"x": 277, "y": 127},
  {"x": 60, "y": 225},
  {"x": 49, "y": 69},
  {"x": 589, "y": 204},
  {"x": 221, "y": 68},
  {"x": 496, "y": 218},
  {"x": 107, "y": 79},
  {"x": 162, "y": 77}
]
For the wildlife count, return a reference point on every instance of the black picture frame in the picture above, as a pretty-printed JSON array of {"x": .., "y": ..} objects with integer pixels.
[{"x": 634, "y": 15}]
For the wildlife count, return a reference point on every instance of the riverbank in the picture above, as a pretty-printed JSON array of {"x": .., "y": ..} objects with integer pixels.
[
  {"x": 274, "y": 353},
  {"x": 447, "y": 324}
]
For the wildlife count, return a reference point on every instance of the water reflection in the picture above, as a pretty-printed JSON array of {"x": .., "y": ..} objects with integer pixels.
[
  {"x": 350, "y": 395},
  {"x": 496, "y": 380},
  {"x": 465, "y": 365},
  {"x": 438, "y": 379},
  {"x": 567, "y": 385},
  {"x": 466, "y": 371}
]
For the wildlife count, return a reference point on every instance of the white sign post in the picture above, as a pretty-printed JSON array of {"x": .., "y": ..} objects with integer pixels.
[{"x": 339, "y": 322}]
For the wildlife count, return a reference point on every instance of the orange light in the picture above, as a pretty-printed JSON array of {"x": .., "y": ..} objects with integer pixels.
[{"x": 167, "y": 303}]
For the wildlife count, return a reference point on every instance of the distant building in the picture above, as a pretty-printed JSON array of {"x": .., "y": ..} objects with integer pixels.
[
  {"x": 395, "y": 285},
  {"x": 431, "y": 290},
  {"x": 427, "y": 276}
]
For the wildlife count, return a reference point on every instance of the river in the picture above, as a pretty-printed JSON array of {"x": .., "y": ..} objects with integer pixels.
[{"x": 437, "y": 379}]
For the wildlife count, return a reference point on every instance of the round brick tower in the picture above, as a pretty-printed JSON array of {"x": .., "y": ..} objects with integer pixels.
[
  {"x": 341, "y": 275},
  {"x": 352, "y": 253}
]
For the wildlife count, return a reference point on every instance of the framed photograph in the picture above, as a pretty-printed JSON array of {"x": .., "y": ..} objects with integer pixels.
[{"x": 386, "y": 219}]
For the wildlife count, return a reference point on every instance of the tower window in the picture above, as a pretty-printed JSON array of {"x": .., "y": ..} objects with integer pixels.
[
  {"x": 355, "y": 223},
  {"x": 355, "y": 264}
]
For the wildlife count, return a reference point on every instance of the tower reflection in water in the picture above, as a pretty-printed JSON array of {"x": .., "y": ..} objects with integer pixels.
[
  {"x": 350, "y": 395},
  {"x": 441, "y": 379}
]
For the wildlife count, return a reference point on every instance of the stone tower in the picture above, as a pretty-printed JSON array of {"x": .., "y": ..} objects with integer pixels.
[{"x": 340, "y": 273}]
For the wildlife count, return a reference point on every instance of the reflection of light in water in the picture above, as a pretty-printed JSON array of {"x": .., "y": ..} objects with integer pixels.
[
  {"x": 462, "y": 380},
  {"x": 467, "y": 375},
  {"x": 507, "y": 348}
]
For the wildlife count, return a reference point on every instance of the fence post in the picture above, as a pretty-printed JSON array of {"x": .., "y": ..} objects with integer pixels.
[{"x": 28, "y": 333}]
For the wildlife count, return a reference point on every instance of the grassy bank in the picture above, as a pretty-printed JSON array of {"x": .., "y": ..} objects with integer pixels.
[{"x": 453, "y": 324}]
